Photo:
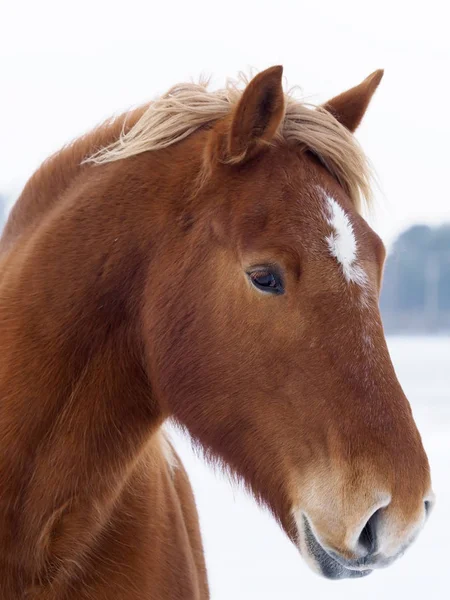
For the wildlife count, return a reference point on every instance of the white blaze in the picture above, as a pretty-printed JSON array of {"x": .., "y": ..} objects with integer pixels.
[{"x": 342, "y": 242}]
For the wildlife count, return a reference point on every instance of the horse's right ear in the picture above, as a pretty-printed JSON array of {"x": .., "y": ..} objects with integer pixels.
[
  {"x": 349, "y": 107},
  {"x": 255, "y": 120}
]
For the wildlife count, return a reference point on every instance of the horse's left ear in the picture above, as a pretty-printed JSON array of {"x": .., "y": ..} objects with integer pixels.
[
  {"x": 350, "y": 106},
  {"x": 255, "y": 120}
]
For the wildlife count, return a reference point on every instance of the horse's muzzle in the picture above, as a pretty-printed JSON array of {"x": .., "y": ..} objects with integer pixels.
[
  {"x": 370, "y": 553},
  {"x": 327, "y": 564}
]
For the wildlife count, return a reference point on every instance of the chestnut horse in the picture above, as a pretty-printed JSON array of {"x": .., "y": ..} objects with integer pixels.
[{"x": 202, "y": 258}]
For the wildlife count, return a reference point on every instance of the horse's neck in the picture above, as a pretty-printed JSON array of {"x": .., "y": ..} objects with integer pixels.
[
  {"x": 69, "y": 445},
  {"x": 76, "y": 406},
  {"x": 87, "y": 497}
]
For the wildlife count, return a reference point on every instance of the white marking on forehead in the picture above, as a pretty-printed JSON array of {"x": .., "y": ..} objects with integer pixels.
[{"x": 342, "y": 242}]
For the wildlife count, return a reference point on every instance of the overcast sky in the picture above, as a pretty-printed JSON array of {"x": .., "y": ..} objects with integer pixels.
[{"x": 66, "y": 66}]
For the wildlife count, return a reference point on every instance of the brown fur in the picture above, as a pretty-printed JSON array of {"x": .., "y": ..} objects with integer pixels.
[{"x": 124, "y": 301}]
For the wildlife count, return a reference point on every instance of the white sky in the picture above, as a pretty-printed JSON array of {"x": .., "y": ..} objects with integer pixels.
[{"x": 66, "y": 66}]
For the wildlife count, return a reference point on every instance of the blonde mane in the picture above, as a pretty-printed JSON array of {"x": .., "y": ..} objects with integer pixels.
[{"x": 187, "y": 107}]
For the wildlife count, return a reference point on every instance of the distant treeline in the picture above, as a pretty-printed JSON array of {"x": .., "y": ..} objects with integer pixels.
[{"x": 416, "y": 287}]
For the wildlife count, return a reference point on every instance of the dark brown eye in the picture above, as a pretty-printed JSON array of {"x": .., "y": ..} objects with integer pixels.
[{"x": 267, "y": 280}]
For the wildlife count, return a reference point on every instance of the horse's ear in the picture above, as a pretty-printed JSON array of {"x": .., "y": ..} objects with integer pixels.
[
  {"x": 256, "y": 118},
  {"x": 350, "y": 106}
]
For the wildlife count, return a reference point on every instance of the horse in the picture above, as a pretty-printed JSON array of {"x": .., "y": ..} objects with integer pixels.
[{"x": 201, "y": 259}]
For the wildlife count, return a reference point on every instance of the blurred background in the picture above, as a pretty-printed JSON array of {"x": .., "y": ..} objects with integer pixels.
[{"x": 64, "y": 67}]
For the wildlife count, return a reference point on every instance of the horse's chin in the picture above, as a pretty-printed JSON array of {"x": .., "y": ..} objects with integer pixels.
[{"x": 320, "y": 560}]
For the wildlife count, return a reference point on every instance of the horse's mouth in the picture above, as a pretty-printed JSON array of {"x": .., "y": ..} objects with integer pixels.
[{"x": 325, "y": 564}]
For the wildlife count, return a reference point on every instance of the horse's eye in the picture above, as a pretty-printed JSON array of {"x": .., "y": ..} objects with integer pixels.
[{"x": 267, "y": 280}]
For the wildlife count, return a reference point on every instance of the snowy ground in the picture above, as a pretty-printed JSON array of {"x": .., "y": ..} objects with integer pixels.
[{"x": 249, "y": 557}]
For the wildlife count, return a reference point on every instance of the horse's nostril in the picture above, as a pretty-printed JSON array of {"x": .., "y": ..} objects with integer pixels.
[
  {"x": 368, "y": 536},
  {"x": 428, "y": 506}
]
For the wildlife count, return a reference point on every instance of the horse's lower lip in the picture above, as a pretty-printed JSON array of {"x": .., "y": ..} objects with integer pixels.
[{"x": 328, "y": 566}]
